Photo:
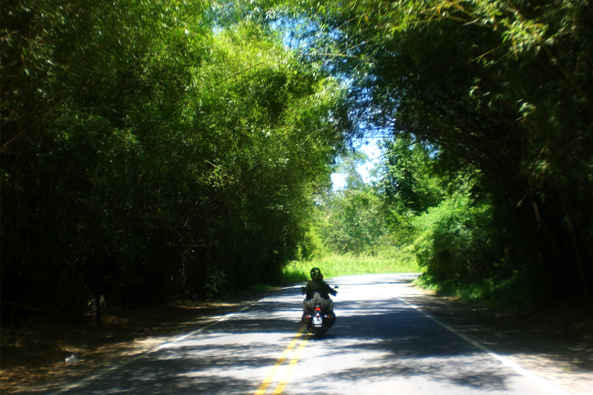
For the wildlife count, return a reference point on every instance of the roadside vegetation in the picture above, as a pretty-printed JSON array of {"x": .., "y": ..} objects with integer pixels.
[
  {"x": 345, "y": 265},
  {"x": 417, "y": 216},
  {"x": 153, "y": 151},
  {"x": 488, "y": 172}
]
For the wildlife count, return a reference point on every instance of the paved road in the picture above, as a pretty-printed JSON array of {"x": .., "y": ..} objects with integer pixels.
[{"x": 379, "y": 345}]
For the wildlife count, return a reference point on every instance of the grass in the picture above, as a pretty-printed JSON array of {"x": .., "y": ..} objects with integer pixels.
[{"x": 344, "y": 265}]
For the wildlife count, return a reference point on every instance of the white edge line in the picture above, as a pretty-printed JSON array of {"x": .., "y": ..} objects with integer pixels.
[
  {"x": 534, "y": 378},
  {"x": 164, "y": 344}
]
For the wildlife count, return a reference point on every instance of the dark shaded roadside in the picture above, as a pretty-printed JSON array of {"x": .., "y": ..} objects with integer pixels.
[
  {"x": 36, "y": 353},
  {"x": 554, "y": 341}
]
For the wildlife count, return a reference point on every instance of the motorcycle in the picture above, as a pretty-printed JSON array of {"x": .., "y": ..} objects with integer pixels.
[{"x": 318, "y": 320}]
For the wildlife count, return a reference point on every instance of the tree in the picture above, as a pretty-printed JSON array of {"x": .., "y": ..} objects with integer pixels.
[
  {"x": 188, "y": 154},
  {"x": 502, "y": 86},
  {"x": 408, "y": 180},
  {"x": 351, "y": 221}
]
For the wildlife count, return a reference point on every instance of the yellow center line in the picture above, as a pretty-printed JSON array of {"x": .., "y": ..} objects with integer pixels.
[
  {"x": 288, "y": 374},
  {"x": 270, "y": 376}
]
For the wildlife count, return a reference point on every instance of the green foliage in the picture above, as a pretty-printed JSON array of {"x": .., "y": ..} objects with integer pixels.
[
  {"x": 501, "y": 87},
  {"x": 311, "y": 247},
  {"x": 456, "y": 238},
  {"x": 347, "y": 264},
  {"x": 137, "y": 131},
  {"x": 350, "y": 222},
  {"x": 185, "y": 141},
  {"x": 215, "y": 281},
  {"x": 408, "y": 180}
]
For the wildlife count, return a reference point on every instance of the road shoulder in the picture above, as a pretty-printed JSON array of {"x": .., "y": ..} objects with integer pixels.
[
  {"x": 34, "y": 356},
  {"x": 555, "y": 344}
]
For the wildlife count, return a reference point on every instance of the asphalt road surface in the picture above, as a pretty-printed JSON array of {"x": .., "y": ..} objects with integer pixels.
[{"x": 380, "y": 344}]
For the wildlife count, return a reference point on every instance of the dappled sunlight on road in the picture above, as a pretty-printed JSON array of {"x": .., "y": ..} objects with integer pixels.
[{"x": 380, "y": 342}]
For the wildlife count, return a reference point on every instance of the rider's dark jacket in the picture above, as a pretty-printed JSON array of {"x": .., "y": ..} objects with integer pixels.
[{"x": 318, "y": 286}]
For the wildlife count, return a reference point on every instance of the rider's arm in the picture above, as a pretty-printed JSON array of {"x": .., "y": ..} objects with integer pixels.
[
  {"x": 307, "y": 290},
  {"x": 330, "y": 290}
]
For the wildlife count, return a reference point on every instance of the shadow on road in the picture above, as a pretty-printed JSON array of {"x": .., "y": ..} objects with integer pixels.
[
  {"x": 374, "y": 339},
  {"x": 398, "y": 341}
]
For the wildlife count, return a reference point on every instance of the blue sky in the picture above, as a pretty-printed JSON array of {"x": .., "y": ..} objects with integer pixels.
[{"x": 373, "y": 152}]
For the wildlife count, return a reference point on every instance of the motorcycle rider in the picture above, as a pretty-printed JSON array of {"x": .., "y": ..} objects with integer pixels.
[{"x": 317, "y": 285}]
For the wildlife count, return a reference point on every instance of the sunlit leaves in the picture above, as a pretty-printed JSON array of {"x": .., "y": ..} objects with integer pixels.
[
  {"x": 351, "y": 222},
  {"x": 137, "y": 129},
  {"x": 502, "y": 85}
]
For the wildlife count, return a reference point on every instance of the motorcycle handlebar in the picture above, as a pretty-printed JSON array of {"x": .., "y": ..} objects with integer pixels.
[{"x": 303, "y": 289}]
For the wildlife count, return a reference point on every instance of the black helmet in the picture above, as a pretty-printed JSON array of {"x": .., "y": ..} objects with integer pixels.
[{"x": 316, "y": 274}]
